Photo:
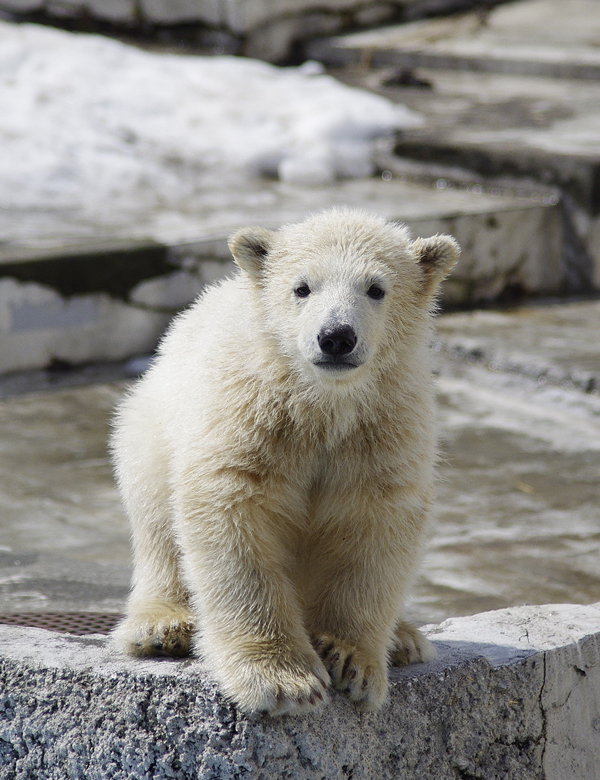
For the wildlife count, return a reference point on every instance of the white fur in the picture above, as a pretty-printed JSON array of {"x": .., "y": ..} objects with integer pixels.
[{"x": 278, "y": 505}]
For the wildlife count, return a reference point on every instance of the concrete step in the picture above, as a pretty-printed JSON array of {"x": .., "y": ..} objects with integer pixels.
[
  {"x": 531, "y": 37},
  {"x": 492, "y": 112},
  {"x": 69, "y": 296},
  {"x": 507, "y": 132}
]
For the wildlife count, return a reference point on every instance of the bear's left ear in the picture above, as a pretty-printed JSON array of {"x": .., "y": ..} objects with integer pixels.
[
  {"x": 249, "y": 247},
  {"x": 437, "y": 256}
]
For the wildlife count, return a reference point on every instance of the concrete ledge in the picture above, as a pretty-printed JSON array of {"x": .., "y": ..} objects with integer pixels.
[
  {"x": 528, "y": 38},
  {"x": 515, "y": 694},
  {"x": 85, "y": 299},
  {"x": 267, "y": 29}
]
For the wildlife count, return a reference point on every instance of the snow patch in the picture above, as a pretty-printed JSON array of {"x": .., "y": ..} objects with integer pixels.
[{"x": 89, "y": 122}]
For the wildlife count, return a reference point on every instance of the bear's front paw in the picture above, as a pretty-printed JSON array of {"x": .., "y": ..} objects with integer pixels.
[
  {"x": 167, "y": 634},
  {"x": 355, "y": 672},
  {"x": 292, "y": 684},
  {"x": 410, "y": 646}
]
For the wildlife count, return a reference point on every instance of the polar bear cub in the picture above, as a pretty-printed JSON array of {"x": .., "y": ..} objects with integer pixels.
[{"x": 277, "y": 465}]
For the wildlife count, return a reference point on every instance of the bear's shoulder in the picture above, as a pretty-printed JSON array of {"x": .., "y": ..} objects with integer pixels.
[{"x": 218, "y": 313}]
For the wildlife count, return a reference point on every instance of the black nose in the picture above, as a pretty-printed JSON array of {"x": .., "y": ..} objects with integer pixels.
[{"x": 337, "y": 341}]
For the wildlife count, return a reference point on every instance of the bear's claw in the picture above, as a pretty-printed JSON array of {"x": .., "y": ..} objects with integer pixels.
[
  {"x": 289, "y": 704},
  {"x": 294, "y": 685},
  {"x": 362, "y": 678}
]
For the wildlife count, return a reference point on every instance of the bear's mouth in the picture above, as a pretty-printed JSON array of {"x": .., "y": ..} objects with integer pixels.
[{"x": 334, "y": 364}]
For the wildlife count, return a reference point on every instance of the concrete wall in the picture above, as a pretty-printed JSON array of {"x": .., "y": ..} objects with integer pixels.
[
  {"x": 97, "y": 305},
  {"x": 514, "y": 694}
]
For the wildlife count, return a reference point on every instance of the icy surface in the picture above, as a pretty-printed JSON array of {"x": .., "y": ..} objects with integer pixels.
[{"x": 89, "y": 122}]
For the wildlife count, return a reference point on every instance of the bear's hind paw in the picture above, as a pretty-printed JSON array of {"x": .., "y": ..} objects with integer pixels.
[
  {"x": 410, "y": 646},
  {"x": 167, "y": 635}
]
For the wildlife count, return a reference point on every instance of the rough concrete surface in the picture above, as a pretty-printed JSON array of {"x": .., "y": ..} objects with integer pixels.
[{"x": 514, "y": 694}]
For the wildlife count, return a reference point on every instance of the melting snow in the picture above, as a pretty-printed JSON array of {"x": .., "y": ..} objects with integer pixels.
[{"x": 89, "y": 122}]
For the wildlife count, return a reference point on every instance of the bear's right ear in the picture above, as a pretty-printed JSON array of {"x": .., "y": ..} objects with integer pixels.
[
  {"x": 249, "y": 247},
  {"x": 436, "y": 256}
]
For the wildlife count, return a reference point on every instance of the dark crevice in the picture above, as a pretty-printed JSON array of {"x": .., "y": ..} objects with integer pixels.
[{"x": 544, "y": 735}]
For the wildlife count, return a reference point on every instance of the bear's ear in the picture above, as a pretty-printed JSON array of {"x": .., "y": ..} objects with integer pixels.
[
  {"x": 249, "y": 247},
  {"x": 437, "y": 256}
]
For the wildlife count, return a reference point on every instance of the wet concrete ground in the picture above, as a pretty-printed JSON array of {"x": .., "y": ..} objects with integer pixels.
[
  {"x": 64, "y": 542},
  {"x": 519, "y": 495}
]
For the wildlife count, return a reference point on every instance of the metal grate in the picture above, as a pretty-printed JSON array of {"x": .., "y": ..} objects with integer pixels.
[{"x": 79, "y": 623}]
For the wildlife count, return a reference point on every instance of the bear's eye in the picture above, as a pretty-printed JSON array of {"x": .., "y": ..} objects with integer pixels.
[
  {"x": 376, "y": 292},
  {"x": 303, "y": 291}
]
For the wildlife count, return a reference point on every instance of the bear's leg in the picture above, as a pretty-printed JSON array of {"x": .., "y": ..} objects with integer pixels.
[
  {"x": 252, "y": 636},
  {"x": 158, "y": 619},
  {"x": 355, "y": 586}
]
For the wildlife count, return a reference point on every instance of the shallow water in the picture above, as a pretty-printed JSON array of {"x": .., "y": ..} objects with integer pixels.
[
  {"x": 56, "y": 488},
  {"x": 518, "y": 511},
  {"x": 519, "y": 500}
]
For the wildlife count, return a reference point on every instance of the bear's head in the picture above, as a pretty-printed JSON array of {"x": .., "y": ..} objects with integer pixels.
[{"x": 343, "y": 290}]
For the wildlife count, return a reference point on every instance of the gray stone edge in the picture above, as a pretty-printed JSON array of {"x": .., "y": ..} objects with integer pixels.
[
  {"x": 342, "y": 51},
  {"x": 514, "y": 693}
]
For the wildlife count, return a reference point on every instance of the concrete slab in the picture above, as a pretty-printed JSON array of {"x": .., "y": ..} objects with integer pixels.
[
  {"x": 530, "y": 37},
  {"x": 69, "y": 295},
  {"x": 513, "y": 694},
  {"x": 28, "y": 235}
]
